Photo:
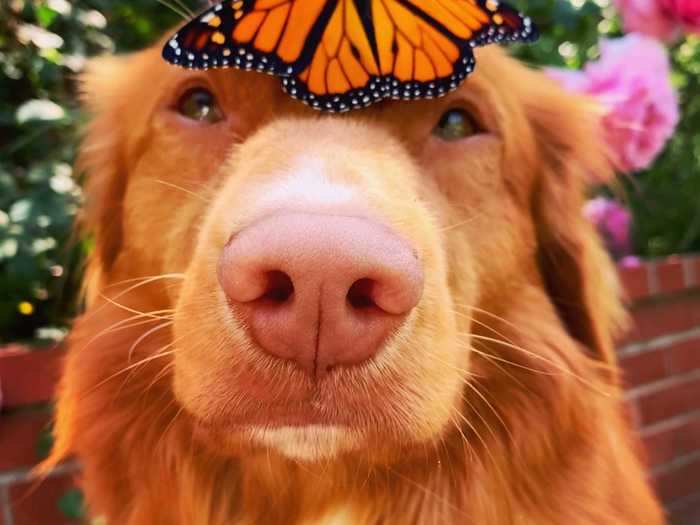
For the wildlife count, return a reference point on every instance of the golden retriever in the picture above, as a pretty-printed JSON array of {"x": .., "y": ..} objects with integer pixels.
[{"x": 395, "y": 316}]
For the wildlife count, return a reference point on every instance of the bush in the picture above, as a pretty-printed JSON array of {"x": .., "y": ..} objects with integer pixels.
[{"x": 44, "y": 45}]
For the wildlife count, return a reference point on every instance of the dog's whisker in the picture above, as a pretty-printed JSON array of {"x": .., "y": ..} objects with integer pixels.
[
  {"x": 481, "y": 439},
  {"x": 482, "y": 396},
  {"x": 133, "y": 310},
  {"x": 159, "y": 376},
  {"x": 179, "y": 9},
  {"x": 464, "y": 439},
  {"x": 427, "y": 491},
  {"x": 506, "y": 342},
  {"x": 144, "y": 336},
  {"x": 185, "y": 190},
  {"x": 145, "y": 280},
  {"x": 500, "y": 334},
  {"x": 132, "y": 367},
  {"x": 125, "y": 324},
  {"x": 459, "y": 224},
  {"x": 561, "y": 368},
  {"x": 169, "y": 426},
  {"x": 495, "y": 363},
  {"x": 141, "y": 281}
]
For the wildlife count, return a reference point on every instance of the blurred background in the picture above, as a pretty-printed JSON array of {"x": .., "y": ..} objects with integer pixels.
[{"x": 639, "y": 58}]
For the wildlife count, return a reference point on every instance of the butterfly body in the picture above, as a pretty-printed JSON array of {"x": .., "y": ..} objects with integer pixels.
[{"x": 337, "y": 55}]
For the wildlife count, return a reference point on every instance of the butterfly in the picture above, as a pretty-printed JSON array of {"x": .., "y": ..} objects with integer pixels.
[{"x": 337, "y": 55}]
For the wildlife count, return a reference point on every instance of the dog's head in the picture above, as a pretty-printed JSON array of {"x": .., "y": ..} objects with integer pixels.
[{"x": 345, "y": 279}]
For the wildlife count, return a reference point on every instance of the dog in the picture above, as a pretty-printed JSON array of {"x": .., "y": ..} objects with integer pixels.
[{"x": 394, "y": 316}]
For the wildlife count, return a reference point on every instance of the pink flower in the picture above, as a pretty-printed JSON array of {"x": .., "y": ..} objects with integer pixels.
[
  {"x": 632, "y": 82},
  {"x": 687, "y": 12},
  {"x": 630, "y": 261},
  {"x": 613, "y": 221},
  {"x": 662, "y": 19}
]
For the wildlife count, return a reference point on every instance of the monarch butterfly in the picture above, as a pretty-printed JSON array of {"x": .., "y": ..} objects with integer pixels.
[{"x": 337, "y": 55}]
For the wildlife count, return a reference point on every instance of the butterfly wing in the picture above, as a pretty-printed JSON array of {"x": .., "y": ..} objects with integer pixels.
[
  {"x": 401, "y": 49},
  {"x": 261, "y": 35},
  {"x": 336, "y": 55}
]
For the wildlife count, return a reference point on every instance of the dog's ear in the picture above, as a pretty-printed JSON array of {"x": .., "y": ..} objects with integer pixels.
[
  {"x": 109, "y": 90},
  {"x": 579, "y": 277}
]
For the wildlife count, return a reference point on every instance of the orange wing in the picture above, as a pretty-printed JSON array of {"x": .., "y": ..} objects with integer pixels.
[
  {"x": 336, "y": 55},
  {"x": 406, "y": 49},
  {"x": 265, "y": 35}
]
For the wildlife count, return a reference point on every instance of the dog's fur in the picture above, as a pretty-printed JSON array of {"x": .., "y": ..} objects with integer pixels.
[{"x": 497, "y": 403}]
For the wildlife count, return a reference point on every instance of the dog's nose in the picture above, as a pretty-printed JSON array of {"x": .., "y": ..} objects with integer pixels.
[{"x": 320, "y": 290}]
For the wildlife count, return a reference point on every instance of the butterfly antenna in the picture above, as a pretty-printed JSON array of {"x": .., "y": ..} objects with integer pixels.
[{"x": 177, "y": 9}]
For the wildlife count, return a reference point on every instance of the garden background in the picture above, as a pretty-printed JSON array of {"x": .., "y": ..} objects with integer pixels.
[{"x": 639, "y": 58}]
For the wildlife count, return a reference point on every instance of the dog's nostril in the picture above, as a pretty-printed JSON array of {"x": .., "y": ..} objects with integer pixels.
[
  {"x": 360, "y": 294},
  {"x": 279, "y": 287}
]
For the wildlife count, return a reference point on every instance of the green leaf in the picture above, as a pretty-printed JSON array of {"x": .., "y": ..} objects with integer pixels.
[
  {"x": 72, "y": 504},
  {"x": 44, "y": 444},
  {"x": 45, "y": 15}
]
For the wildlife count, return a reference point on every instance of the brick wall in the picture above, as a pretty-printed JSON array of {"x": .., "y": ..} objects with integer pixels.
[
  {"x": 27, "y": 381},
  {"x": 660, "y": 358}
]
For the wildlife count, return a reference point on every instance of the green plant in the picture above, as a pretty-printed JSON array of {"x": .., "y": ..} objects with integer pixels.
[{"x": 44, "y": 45}]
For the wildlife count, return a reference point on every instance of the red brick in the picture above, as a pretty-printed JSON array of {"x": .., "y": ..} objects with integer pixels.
[
  {"x": 686, "y": 512},
  {"x": 635, "y": 281},
  {"x": 693, "y": 270},
  {"x": 677, "y": 397},
  {"x": 677, "y": 440},
  {"x": 692, "y": 263},
  {"x": 28, "y": 376},
  {"x": 665, "y": 317},
  {"x": 684, "y": 357},
  {"x": 19, "y": 433},
  {"x": 670, "y": 276},
  {"x": 679, "y": 482},
  {"x": 642, "y": 368},
  {"x": 2, "y": 510},
  {"x": 34, "y": 504}
]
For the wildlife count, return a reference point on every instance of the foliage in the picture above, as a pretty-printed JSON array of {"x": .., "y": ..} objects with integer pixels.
[
  {"x": 44, "y": 45},
  {"x": 72, "y": 504},
  {"x": 665, "y": 199}
]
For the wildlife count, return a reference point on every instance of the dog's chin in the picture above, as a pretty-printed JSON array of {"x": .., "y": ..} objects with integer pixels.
[{"x": 311, "y": 443}]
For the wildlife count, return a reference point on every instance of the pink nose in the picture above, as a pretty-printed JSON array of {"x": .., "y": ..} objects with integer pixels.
[{"x": 320, "y": 290}]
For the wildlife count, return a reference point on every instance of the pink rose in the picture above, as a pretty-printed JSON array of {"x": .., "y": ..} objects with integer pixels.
[
  {"x": 632, "y": 82},
  {"x": 662, "y": 19},
  {"x": 613, "y": 221},
  {"x": 687, "y": 12}
]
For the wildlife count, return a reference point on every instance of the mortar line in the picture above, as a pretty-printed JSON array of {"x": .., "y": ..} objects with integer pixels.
[{"x": 7, "y": 517}]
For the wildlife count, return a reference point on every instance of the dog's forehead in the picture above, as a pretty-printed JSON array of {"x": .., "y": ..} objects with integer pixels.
[{"x": 258, "y": 93}]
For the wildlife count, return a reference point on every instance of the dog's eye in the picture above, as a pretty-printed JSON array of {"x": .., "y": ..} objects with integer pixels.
[
  {"x": 200, "y": 104},
  {"x": 455, "y": 124}
]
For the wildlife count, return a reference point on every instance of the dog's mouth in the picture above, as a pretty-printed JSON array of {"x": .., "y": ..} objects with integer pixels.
[
  {"x": 298, "y": 414},
  {"x": 312, "y": 429}
]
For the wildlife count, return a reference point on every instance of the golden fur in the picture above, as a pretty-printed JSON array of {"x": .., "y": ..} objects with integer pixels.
[{"x": 498, "y": 403}]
